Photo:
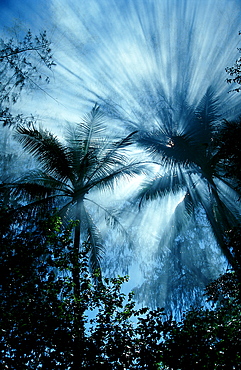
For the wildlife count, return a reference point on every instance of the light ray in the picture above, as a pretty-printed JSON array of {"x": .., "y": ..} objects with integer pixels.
[{"x": 140, "y": 60}]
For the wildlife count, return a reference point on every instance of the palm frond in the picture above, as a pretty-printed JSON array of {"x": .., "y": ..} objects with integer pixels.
[
  {"x": 111, "y": 218},
  {"x": 182, "y": 214},
  {"x": 34, "y": 207},
  {"x": 86, "y": 144},
  {"x": 176, "y": 150},
  {"x": 219, "y": 224},
  {"x": 208, "y": 109},
  {"x": 67, "y": 211},
  {"x": 89, "y": 129},
  {"x": 36, "y": 190},
  {"x": 110, "y": 176},
  {"x": 96, "y": 243},
  {"x": 109, "y": 156},
  {"x": 39, "y": 184},
  {"x": 185, "y": 140},
  {"x": 200, "y": 122},
  {"x": 159, "y": 186},
  {"x": 180, "y": 220},
  {"x": 189, "y": 204},
  {"x": 86, "y": 165},
  {"x": 47, "y": 149},
  {"x": 124, "y": 142}
]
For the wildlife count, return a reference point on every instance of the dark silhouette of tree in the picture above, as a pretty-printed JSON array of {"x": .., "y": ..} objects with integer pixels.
[
  {"x": 69, "y": 173},
  {"x": 24, "y": 64},
  {"x": 235, "y": 73},
  {"x": 38, "y": 307},
  {"x": 228, "y": 142},
  {"x": 35, "y": 320},
  {"x": 184, "y": 145},
  {"x": 207, "y": 338}
]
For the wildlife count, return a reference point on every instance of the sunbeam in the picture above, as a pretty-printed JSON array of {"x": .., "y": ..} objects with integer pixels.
[{"x": 151, "y": 65}]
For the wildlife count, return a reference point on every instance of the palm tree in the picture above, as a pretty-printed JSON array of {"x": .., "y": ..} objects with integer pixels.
[
  {"x": 183, "y": 143},
  {"x": 69, "y": 172}
]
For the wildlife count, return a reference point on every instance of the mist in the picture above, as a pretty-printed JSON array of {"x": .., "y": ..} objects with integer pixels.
[{"x": 142, "y": 62}]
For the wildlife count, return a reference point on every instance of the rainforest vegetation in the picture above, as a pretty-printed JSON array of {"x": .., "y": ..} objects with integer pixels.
[{"x": 58, "y": 309}]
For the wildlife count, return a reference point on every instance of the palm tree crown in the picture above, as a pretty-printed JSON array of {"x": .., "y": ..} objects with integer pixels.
[
  {"x": 183, "y": 143},
  {"x": 70, "y": 171}
]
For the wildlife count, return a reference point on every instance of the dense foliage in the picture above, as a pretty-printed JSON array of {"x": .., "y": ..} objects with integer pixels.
[
  {"x": 208, "y": 338},
  {"x": 38, "y": 305},
  {"x": 32, "y": 319}
]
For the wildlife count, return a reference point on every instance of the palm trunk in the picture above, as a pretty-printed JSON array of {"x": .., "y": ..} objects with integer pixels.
[
  {"x": 226, "y": 222},
  {"x": 78, "y": 322},
  {"x": 76, "y": 270}
]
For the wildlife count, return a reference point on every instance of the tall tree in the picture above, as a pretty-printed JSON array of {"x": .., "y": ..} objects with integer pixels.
[
  {"x": 183, "y": 143},
  {"x": 69, "y": 173}
]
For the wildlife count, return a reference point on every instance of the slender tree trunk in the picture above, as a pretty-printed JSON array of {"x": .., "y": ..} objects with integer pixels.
[
  {"x": 78, "y": 322},
  {"x": 226, "y": 222},
  {"x": 75, "y": 270}
]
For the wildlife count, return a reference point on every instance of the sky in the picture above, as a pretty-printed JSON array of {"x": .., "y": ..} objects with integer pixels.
[
  {"x": 126, "y": 50},
  {"x": 132, "y": 57}
]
